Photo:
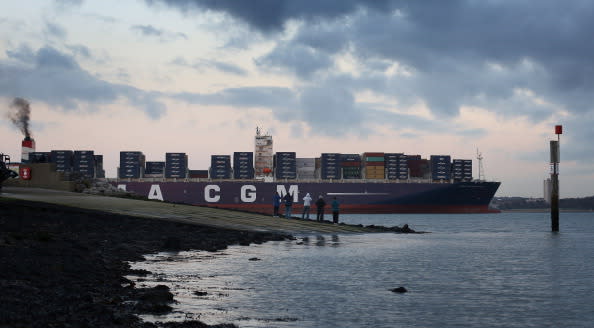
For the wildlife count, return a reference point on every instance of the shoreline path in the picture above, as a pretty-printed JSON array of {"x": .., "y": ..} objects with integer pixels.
[{"x": 213, "y": 217}]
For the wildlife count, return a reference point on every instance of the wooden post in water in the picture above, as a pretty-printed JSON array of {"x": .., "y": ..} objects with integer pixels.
[{"x": 555, "y": 159}]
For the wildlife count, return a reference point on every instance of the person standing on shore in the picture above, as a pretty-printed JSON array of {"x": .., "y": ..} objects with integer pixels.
[
  {"x": 306, "y": 206},
  {"x": 288, "y": 204},
  {"x": 335, "y": 210},
  {"x": 320, "y": 204},
  {"x": 276, "y": 200}
]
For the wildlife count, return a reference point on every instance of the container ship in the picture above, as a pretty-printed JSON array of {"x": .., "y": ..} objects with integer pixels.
[{"x": 372, "y": 182}]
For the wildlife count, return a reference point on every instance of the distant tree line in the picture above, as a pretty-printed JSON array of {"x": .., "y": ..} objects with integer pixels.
[
  {"x": 586, "y": 203},
  {"x": 512, "y": 203}
]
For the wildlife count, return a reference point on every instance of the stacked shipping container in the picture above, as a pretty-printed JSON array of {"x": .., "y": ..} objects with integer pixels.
[
  {"x": 374, "y": 165},
  {"x": 306, "y": 168},
  {"x": 243, "y": 165},
  {"x": 220, "y": 167},
  {"x": 176, "y": 165},
  {"x": 396, "y": 166},
  {"x": 198, "y": 174},
  {"x": 441, "y": 167},
  {"x": 351, "y": 166},
  {"x": 330, "y": 166},
  {"x": 417, "y": 166},
  {"x": 84, "y": 163},
  {"x": 462, "y": 170},
  {"x": 286, "y": 165},
  {"x": 131, "y": 164},
  {"x": 39, "y": 157},
  {"x": 99, "y": 171},
  {"x": 63, "y": 160},
  {"x": 154, "y": 170}
]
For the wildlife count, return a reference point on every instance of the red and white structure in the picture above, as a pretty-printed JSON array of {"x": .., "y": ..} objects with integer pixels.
[{"x": 28, "y": 146}]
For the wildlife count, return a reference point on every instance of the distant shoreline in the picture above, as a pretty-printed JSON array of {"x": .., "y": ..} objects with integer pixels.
[{"x": 543, "y": 210}]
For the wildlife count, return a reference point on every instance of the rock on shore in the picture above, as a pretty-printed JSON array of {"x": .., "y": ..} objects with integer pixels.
[{"x": 65, "y": 267}]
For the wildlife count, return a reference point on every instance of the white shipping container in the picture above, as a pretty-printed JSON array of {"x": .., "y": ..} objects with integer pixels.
[{"x": 306, "y": 162}]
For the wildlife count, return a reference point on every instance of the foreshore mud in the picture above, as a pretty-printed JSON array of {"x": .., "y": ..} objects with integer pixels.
[{"x": 65, "y": 267}]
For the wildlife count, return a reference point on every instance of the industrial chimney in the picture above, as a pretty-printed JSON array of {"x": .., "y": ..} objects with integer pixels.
[{"x": 28, "y": 146}]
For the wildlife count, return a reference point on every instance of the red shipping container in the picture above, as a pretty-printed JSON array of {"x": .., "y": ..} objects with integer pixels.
[
  {"x": 350, "y": 164},
  {"x": 374, "y": 163},
  {"x": 417, "y": 167}
]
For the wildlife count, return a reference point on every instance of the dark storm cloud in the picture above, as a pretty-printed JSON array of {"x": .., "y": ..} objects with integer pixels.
[
  {"x": 271, "y": 15},
  {"x": 163, "y": 35},
  {"x": 448, "y": 45},
  {"x": 203, "y": 64},
  {"x": 55, "y": 78},
  {"x": 576, "y": 140}
]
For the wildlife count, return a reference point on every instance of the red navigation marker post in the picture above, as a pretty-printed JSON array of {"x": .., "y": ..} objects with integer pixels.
[{"x": 555, "y": 159}]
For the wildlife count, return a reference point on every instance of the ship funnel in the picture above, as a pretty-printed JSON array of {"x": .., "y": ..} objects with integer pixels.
[{"x": 28, "y": 146}]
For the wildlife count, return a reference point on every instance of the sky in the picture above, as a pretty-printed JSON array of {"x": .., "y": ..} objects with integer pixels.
[{"x": 349, "y": 76}]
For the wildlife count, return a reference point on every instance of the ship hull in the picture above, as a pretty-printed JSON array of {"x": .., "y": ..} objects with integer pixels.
[{"x": 354, "y": 197}]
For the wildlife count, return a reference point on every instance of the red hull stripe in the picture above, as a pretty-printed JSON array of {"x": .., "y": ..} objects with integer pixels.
[{"x": 366, "y": 209}]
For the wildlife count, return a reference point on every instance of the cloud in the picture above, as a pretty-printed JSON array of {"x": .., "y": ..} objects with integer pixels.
[
  {"x": 515, "y": 59},
  {"x": 69, "y": 2},
  {"x": 271, "y": 15},
  {"x": 327, "y": 110},
  {"x": 491, "y": 54},
  {"x": 53, "y": 77},
  {"x": 23, "y": 53},
  {"x": 162, "y": 35},
  {"x": 277, "y": 98},
  {"x": 576, "y": 140},
  {"x": 204, "y": 64},
  {"x": 55, "y": 31},
  {"x": 79, "y": 50},
  {"x": 300, "y": 60}
]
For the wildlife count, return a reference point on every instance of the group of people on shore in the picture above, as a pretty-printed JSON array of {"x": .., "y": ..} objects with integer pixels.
[{"x": 320, "y": 204}]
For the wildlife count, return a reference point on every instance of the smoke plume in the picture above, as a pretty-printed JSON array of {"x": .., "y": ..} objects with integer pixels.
[{"x": 20, "y": 115}]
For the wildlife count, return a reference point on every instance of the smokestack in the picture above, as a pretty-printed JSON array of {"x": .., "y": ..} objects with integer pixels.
[
  {"x": 20, "y": 117},
  {"x": 28, "y": 146}
]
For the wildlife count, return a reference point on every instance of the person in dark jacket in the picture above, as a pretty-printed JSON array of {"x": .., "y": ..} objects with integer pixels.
[
  {"x": 320, "y": 204},
  {"x": 288, "y": 204},
  {"x": 335, "y": 209},
  {"x": 276, "y": 200}
]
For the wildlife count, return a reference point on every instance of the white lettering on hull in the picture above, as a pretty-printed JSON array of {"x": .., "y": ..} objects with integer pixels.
[
  {"x": 155, "y": 192},
  {"x": 208, "y": 193},
  {"x": 293, "y": 190},
  {"x": 248, "y": 193},
  {"x": 122, "y": 187}
]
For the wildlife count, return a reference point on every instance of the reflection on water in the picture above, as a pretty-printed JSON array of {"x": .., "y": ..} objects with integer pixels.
[{"x": 502, "y": 270}]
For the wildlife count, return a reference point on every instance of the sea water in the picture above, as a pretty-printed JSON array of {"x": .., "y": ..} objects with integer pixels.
[{"x": 488, "y": 270}]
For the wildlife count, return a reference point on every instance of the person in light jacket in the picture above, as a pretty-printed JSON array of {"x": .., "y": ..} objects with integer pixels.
[{"x": 306, "y": 206}]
